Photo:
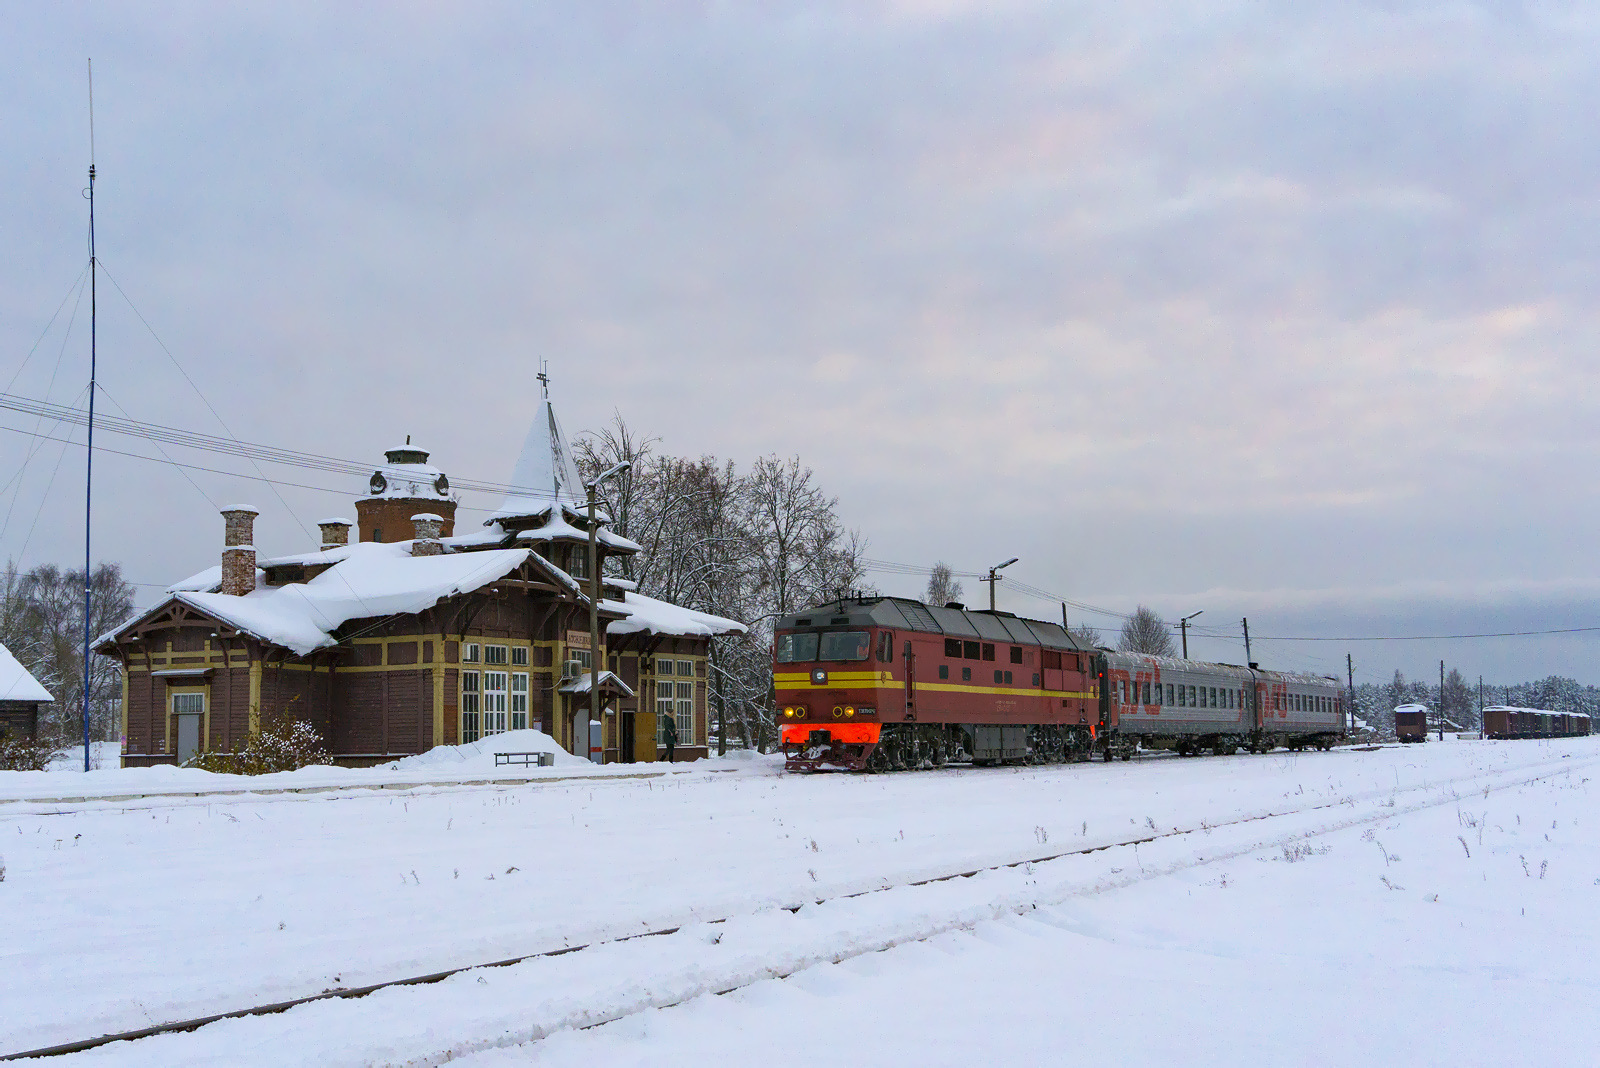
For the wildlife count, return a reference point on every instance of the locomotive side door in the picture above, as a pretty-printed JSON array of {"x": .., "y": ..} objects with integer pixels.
[{"x": 911, "y": 682}]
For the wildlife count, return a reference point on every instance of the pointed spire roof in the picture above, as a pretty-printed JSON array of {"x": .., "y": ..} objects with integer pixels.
[{"x": 544, "y": 474}]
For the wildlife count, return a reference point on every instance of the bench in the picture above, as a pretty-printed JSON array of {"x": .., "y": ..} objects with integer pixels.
[{"x": 541, "y": 760}]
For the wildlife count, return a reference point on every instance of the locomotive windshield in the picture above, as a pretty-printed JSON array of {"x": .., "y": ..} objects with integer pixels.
[
  {"x": 802, "y": 647},
  {"x": 797, "y": 648},
  {"x": 845, "y": 645}
]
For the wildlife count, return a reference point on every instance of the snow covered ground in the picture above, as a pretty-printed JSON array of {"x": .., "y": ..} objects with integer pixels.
[
  {"x": 1421, "y": 905},
  {"x": 473, "y": 762}
]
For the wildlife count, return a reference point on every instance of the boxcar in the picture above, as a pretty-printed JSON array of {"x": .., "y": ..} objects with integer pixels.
[{"x": 1411, "y": 723}]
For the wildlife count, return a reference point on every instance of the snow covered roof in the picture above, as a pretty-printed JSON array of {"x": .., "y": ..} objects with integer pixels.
[
  {"x": 407, "y": 481},
  {"x": 1412, "y": 708},
  {"x": 609, "y": 683},
  {"x": 556, "y": 526},
  {"x": 646, "y": 614},
  {"x": 1539, "y": 711},
  {"x": 16, "y": 684},
  {"x": 544, "y": 474},
  {"x": 324, "y": 556},
  {"x": 208, "y": 581},
  {"x": 372, "y": 579}
]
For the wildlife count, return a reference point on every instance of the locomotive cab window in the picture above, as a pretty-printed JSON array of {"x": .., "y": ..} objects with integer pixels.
[
  {"x": 969, "y": 650},
  {"x": 797, "y": 648},
  {"x": 886, "y": 647},
  {"x": 952, "y": 647},
  {"x": 845, "y": 645}
]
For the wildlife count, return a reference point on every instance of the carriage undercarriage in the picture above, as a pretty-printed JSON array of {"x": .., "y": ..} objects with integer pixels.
[{"x": 923, "y": 746}]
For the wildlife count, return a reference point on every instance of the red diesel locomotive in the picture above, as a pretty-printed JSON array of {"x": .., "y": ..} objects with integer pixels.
[{"x": 887, "y": 683}]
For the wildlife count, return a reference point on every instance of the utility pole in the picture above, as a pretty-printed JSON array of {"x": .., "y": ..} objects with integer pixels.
[
  {"x": 1480, "y": 706},
  {"x": 993, "y": 578},
  {"x": 1183, "y": 625},
  {"x": 1247, "y": 657},
  {"x": 1350, "y": 674},
  {"x": 1441, "y": 700},
  {"x": 88, "y": 470},
  {"x": 595, "y": 661}
]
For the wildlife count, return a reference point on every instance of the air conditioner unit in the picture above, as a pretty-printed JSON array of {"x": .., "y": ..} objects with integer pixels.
[{"x": 572, "y": 669}]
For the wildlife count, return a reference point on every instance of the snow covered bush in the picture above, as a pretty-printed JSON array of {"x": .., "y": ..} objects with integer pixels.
[
  {"x": 24, "y": 754},
  {"x": 282, "y": 744}
]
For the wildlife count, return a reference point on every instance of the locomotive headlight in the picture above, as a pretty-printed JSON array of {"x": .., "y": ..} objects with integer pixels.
[
  {"x": 788, "y": 713},
  {"x": 838, "y": 713},
  {"x": 849, "y": 710}
]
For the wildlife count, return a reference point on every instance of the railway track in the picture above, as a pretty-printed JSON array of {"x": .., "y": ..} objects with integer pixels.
[{"x": 1231, "y": 838}]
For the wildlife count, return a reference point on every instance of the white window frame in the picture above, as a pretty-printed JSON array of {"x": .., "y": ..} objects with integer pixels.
[
  {"x": 470, "y": 653},
  {"x": 496, "y": 690},
  {"x": 519, "y": 700},
  {"x": 685, "y": 713},
  {"x": 496, "y": 655},
  {"x": 519, "y": 656},
  {"x": 471, "y": 706}
]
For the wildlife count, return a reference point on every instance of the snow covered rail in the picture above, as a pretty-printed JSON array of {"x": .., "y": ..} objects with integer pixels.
[{"x": 611, "y": 979}]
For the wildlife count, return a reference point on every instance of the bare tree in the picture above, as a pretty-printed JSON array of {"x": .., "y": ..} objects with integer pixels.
[
  {"x": 943, "y": 588},
  {"x": 41, "y": 622},
  {"x": 1144, "y": 632},
  {"x": 1086, "y": 636}
]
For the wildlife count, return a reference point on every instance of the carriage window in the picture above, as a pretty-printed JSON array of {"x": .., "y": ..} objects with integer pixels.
[
  {"x": 1170, "y": 700},
  {"x": 1147, "y": 693},
  {"x": 952, "y": 647},
  {"x": 845, "y": 645},
  {"x": 1183, "y": 697},
  {"x": 797, "y": 648}
]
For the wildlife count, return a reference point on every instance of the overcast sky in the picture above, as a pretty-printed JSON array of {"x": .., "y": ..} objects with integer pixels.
[{"x": 1279, "y": 310}]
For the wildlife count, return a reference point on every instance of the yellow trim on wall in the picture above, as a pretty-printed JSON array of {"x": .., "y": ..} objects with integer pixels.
[{"x": 255, "y": 697}]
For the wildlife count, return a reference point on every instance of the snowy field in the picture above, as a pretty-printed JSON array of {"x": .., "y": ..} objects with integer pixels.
[{"x": 1422, "y": 905}]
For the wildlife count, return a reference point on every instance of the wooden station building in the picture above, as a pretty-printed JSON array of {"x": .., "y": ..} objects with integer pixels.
[{"x": 411, "y": 636}]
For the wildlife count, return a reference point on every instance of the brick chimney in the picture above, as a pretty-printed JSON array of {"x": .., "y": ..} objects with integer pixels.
[
  {"x": 239, "y": 550},
  {"x": 426, "y": 525},
  {"x": 335, "y": 532}
]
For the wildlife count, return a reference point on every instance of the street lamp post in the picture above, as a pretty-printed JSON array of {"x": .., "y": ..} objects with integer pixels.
[
  {"x": 993, "y": 578},
  {"x": 1183, "y": 625},
  {"x": 594, "y": 595}
]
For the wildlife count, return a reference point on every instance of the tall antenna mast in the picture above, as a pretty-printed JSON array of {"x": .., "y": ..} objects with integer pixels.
[{"x": 88, "y": 473}]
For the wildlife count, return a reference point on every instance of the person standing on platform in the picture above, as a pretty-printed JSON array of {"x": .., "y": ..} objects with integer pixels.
[{"x": 669, "y": 732}]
